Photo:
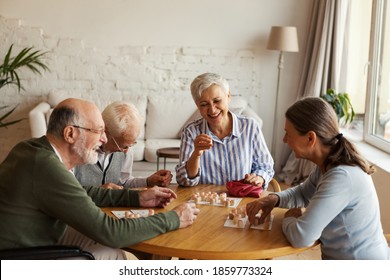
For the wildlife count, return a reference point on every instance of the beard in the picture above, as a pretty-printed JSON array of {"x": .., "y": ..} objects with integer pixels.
[{"x": 86, "y": 156}]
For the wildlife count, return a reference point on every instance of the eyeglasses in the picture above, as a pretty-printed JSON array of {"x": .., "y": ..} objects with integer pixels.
[
  {"x": 97, "y": 131},
  {"x": 123, "y": 149}
]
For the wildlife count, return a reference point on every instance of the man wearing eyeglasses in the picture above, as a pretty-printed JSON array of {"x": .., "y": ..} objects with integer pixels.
[
  {"x": 115, "y": 157},
  {"x": 43, "y": 204}
]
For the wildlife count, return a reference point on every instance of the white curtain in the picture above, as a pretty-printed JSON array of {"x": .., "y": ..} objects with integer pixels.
[{"x": 325, "y": 46}]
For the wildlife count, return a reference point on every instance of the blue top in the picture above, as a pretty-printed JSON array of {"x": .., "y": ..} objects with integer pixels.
[
  {"x": 244, "y": 151},
  {"x": 342, "y": 211}
]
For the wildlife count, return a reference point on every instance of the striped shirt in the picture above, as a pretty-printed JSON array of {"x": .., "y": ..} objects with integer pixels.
[{"x": 244, "y": 151}]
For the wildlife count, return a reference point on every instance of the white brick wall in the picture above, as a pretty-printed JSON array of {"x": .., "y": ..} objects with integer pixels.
[{"x": 90, "y": 73}]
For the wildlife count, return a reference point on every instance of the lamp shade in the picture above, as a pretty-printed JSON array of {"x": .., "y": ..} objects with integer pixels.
[{"x": 283, "y": 38}]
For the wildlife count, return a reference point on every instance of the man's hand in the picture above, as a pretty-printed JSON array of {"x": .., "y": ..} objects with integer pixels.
[
  {"x": 156, "y": 197},
  {"x": 254, "y": 179},
  {"x": 265, "y": 204},
  {"x": 187, "y": 213},
  {"x": 111, "y": 186},
  {"x": 161, "y": 178}
]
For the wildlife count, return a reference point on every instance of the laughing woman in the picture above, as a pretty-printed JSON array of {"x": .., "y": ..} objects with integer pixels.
[{"x": 221, "y": 146}]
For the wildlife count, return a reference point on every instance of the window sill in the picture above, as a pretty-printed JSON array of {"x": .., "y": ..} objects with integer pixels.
[{"x": 372, "y": 154}]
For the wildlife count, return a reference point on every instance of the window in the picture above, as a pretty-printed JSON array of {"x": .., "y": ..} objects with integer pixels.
[{"x": 377, "y": 117}]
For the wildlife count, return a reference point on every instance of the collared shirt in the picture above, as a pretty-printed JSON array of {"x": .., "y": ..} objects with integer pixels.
[{"x": 244, "y": 151}]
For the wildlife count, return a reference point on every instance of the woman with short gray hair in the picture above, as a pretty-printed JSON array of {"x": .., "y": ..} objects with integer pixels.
[{"x": 221, "y": 146}]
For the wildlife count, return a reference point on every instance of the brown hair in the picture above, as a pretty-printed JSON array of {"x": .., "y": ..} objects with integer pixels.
[{"x": 315, "y": 114}]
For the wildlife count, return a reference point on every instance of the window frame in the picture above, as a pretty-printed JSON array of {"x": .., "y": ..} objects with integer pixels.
[{"x": 375, "y": 58}]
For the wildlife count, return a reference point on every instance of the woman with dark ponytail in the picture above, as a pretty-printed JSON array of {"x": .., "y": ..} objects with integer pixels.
[{"x": 337, "y": 204}]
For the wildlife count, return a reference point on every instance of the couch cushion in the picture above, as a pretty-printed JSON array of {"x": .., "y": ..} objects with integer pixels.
[
  {"x": 167, "y": 114},
  {"x": 140, "y": 102},
  {"x": 139, "y": 150}
]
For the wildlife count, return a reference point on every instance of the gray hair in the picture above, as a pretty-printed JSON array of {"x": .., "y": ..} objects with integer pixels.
[
  {"x": 61, "y": 117},
  {"x": 120, "y": 118},
  {"x": 206, "y": 80}
]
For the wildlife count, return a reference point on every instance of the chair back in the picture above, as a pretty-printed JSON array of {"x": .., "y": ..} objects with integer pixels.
[{"x": 275, "y": 185}]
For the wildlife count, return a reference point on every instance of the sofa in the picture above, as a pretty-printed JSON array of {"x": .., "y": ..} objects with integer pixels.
[{"x": 164, "y": 118}]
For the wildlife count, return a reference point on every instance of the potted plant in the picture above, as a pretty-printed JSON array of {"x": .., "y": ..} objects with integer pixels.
[
  {"x": 341, "y": 104},
  {"x": 26, "y": 58}
]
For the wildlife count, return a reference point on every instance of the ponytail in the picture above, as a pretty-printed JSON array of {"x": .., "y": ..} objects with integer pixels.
[{"x": 343, "y": 152}]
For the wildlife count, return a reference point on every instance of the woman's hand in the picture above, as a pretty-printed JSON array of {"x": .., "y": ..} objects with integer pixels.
[
  {"x": 156, "y": 197},
  {"x": 202, "y": 142},
  {"x": 265, "y": 204},
  {"x": 254, "y": 179}
]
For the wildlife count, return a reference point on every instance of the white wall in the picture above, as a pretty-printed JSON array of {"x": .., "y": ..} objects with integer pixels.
[
  {"x": 109, "y": 23},
  {"x": 100, "y": 47}
]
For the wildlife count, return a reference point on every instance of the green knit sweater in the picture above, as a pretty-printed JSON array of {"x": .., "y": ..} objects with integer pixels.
[{"x": 39, "y": 197}]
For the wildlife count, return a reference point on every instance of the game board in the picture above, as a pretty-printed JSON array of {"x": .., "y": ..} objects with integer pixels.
[{"x": 237, "y": 218}]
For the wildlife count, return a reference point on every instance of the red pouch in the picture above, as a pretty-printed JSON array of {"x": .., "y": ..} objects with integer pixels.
[{"x": 241, "y": 189}]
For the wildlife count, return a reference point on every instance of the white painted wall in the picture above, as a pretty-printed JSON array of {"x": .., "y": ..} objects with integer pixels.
[
  {"x": 108, "y": 23},
  {"x": 100, "y": 47}
]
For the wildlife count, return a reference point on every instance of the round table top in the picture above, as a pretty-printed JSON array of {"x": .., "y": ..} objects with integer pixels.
[
  {"x": 207, "y": 238},
  {"x": 171, "y": 152}
]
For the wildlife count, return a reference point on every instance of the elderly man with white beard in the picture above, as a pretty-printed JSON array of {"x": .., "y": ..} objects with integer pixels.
[{"x": 42, "y": 203}]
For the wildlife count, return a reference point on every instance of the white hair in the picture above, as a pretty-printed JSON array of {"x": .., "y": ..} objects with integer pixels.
[
  {"x": 206, "y": 80},
  {"x": 122, "y": 119}
]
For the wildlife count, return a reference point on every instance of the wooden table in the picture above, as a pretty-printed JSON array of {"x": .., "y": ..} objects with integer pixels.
[
  {"x": 207, "y": 238},
  {"x": 172, "y": 152}
]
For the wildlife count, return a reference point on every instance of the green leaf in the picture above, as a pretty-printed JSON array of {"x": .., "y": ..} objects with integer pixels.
[
  {"x": 342, "y": 105},
  {"x": 27, "y": 57},
  {"x": 5, "y": 124},
  {"x": 9, "y": 123},
  {"x": 6, "y": 114}
]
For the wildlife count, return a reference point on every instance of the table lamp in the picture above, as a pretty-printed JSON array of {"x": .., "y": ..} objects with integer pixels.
[{"x": 283, "y": 39}]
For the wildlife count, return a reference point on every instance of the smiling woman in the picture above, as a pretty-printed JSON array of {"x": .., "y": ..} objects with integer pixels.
[{"x": 221, "y": 146}]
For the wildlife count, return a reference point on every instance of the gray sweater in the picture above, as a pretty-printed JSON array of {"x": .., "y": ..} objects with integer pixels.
[
  {"x": 342, "y": 211},
  {"x": 93, "y": 175}
]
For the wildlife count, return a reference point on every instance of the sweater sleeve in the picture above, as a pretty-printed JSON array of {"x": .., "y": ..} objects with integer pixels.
[
  {"x": 331, "y": 196},
  {"x": 59, "y": 195},
  {"x": 300, "y": 195},
  {"x": 108, "y": 198}
]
